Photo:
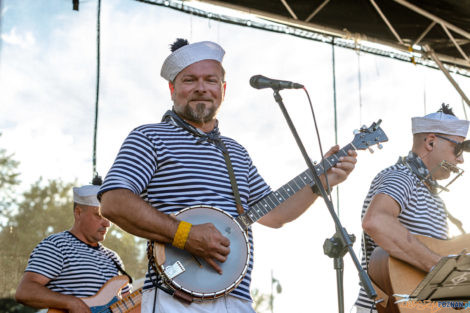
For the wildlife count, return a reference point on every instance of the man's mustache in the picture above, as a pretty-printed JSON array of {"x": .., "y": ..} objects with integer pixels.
[{"x": 200, "y": 99}]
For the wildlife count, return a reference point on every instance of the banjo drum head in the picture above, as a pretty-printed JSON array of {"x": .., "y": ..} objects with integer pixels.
[{"x": 199, "y": 279}]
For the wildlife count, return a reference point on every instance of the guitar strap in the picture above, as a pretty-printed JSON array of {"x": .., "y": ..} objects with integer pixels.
[
  {"x": 454, "y": 220},
  {"x": 120, "y": 269},
  {"x": 211, "y": 137}
]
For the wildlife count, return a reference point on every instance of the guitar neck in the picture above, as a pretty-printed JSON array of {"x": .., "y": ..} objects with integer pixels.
[
  {"x": 268, "y": 203},
  {"x": 127, "y": 303}
]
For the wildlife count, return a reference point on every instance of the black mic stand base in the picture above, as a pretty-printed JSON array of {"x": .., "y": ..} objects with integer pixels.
[{"x": 335, "y": 248}]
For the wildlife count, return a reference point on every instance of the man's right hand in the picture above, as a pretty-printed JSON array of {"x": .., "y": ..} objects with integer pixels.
[
  {"x": 206, "y": 241},
  {"x": 33, "y": 292},
  {"x": 76, "y": 305},
  {"x": 143, "y": 220}
]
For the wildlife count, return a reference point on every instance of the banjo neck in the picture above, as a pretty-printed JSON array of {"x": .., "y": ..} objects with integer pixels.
[
  {"x": 182, "y": 272},
  {"x": 272, "y": 200}
]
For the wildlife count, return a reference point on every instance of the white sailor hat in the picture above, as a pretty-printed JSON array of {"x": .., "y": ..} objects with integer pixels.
[
  {"x": 86, "y": 195},
  {"x": 189, "y": 54},
  {"x": 441, "y": 123}
]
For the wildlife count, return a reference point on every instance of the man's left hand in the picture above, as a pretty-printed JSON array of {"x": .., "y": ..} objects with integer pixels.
[{"x": 342, "y": 169}]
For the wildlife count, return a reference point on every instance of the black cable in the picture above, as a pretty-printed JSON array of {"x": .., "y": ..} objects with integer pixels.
[
  {"x": 359, "y": 80},
  {"x": 95, "y": 174},
  {"x": 1, "y": 19},
  {"x": 327, "y": 189},
  {"x": 333, "y": 61}
]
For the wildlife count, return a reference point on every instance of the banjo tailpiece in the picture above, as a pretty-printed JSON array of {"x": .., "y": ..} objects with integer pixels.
[{"x": 177, "y": 294}]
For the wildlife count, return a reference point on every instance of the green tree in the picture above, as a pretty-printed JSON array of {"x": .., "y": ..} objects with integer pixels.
[
  {"x": 130, "y": 248},
  {"x": 47, "y": 208},
  {"x": 8, "y": 180},
  {"x": 260, "y": 301},
  {"x": 265, "y": 302},
  {"x": 9, "y": 305},
  {"x": 43, "y": 211}
]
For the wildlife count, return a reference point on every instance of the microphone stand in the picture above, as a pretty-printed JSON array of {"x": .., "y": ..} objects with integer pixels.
[{"x": 341, "y": 242}]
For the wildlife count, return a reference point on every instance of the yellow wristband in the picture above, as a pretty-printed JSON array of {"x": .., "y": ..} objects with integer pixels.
[{"x": 181, "y": 234}]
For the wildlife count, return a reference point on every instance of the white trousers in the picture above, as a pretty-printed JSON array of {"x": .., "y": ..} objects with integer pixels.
[
  {"x": 364, "y": 310},
  {"x": 167, "y": 304}
]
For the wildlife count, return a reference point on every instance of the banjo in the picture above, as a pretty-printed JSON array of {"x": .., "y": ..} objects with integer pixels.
[{"x": 196, "y": 279}]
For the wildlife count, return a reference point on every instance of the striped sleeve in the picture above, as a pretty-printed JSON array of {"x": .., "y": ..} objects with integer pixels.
[
  {"x": 46, "y": 259},
  {"x": 134, "y": 165},
  {"x": 258, "y": 187},
  {"x": 395, "y": 184}
]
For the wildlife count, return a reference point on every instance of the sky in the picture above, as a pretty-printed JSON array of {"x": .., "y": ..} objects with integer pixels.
[{"x": 47, "y": 96}]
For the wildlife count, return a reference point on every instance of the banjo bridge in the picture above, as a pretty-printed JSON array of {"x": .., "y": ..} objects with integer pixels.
[{"x": 171, "y": 271}]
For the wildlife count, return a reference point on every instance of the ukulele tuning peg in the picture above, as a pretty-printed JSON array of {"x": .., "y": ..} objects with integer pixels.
[
  {"x": 371, "y": 150},
  {"x": 356, "y": 131},
  {"x": 380, "y": 146}
]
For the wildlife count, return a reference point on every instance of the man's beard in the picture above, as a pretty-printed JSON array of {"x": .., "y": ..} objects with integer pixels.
[{"x": 200, "y": 114}]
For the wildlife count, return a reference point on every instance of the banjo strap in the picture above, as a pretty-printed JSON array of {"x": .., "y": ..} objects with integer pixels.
[
  {"x": 214, "y": 138},
  {"x": 233, "y": 181}
]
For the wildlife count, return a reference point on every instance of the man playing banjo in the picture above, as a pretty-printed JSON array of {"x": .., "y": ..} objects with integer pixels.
[{"x": 183, "y": 162}]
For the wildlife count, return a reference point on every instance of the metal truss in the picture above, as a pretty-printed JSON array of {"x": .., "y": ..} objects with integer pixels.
[{"x": 400, "y": 50}]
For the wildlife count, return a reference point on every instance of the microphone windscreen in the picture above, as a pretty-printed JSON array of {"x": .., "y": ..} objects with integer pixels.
[
  {"x": 254, "y": 81},
  {"x": 466, "y": 145}
]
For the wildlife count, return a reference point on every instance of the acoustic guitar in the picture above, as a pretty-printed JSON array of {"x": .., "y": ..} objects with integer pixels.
[
  {"x": 196, "y": 279},
  {"x": 107, "y": 299},
  {"x": 392, "y": 276}
]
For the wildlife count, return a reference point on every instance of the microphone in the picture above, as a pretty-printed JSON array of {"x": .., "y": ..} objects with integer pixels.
[
  {"x": 260, "y": 82},
  {"x": 466, "y": 146}
]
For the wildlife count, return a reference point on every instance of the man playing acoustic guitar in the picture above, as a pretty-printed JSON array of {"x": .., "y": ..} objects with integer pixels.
[
  {"x": 70, "y": 265},
  {"x": 403, "y": 199},
  {"x": 183, "y": 162}
]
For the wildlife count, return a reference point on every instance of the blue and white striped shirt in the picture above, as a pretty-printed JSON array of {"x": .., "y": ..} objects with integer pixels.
[
  {"x": 421, "y": 211},
  {"x": 73, "y": 267},
  {"x": 171, "y": 170}
]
